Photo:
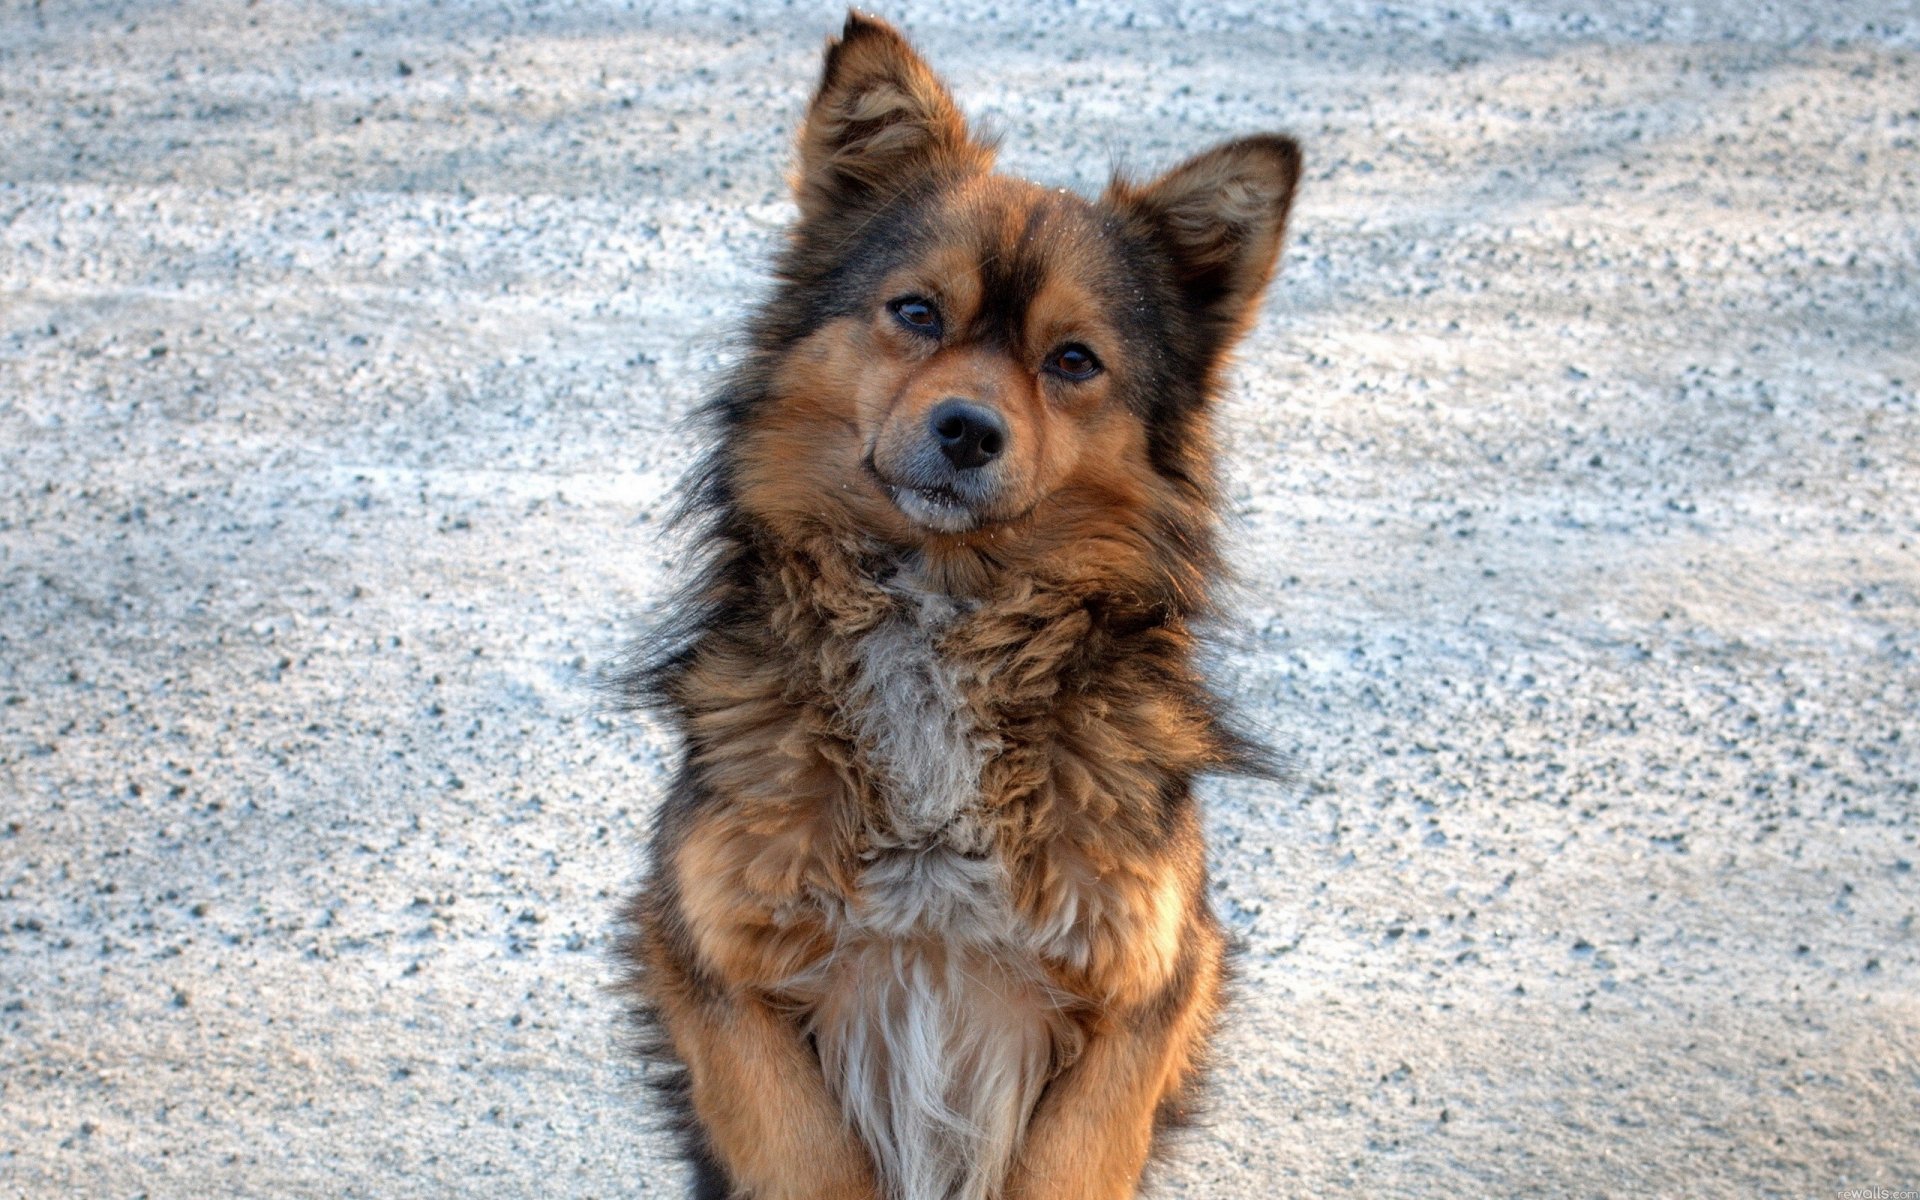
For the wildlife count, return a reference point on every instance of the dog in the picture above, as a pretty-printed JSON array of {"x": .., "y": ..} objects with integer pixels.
[{"x": 926, "y": 913}]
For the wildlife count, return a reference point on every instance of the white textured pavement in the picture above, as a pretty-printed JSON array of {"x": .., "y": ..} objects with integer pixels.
[{"x": 343, "y": 355}]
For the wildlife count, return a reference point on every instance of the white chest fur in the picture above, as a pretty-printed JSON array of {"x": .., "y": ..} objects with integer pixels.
[
  {"x": 913, "y": 721},
  {"x": 935, "y": 1028}
]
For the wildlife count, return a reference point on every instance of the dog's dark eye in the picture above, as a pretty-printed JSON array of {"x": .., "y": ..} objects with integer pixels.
[
  {"x": 1074, "y": 362},
  {"x": 916, "y": 314}
]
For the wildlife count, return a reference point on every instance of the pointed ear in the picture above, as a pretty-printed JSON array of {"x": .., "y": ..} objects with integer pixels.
[
  {"x": 1220, "y": 217},
  {"x": 881, "y": 119}
]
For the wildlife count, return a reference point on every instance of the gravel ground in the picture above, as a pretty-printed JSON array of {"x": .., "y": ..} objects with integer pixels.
[{"x": 344, "y": 356}]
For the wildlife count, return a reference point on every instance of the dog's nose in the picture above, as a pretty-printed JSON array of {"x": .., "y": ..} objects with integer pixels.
[{"x": 970, "y": 435}]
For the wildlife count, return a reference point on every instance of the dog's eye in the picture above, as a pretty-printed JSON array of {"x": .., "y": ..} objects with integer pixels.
[
  {"x": 916, "y": 314},
  {"x": 1073, "y": 361}
]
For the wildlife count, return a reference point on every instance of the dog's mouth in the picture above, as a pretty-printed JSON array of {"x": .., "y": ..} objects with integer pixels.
[
  {"x": 932, "y": 506},
  {"x": 938, "y": 508}
]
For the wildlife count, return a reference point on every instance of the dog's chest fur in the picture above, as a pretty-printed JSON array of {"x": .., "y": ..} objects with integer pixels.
[
  {"x": 934, "y": 1025},
  {"x": 915, "y": 727}
]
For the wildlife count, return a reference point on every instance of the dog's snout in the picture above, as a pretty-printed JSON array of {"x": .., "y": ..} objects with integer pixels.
[{"x": 970, "y": 435}]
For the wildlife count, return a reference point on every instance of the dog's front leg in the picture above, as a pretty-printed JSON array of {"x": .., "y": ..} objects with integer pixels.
[
  {"x": 1093, "y": 1130},
  {"x": 759, "y": 1097}
]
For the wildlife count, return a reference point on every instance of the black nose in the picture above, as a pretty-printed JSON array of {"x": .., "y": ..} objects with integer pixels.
[{"x": 970, "y": 435}]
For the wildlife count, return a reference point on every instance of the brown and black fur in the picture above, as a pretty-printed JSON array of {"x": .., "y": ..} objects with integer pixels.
[{"x": 927, "y": 917}]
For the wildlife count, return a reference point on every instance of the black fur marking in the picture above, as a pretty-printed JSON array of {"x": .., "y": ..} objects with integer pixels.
[
  {"x": 1010, "y": 277},
  {"x": 1191, "y": 1108},
  {"x": 664, "y": 1074},
  {"x": 672, "y": 1087},
  {"x": 710, "y": 1182}
]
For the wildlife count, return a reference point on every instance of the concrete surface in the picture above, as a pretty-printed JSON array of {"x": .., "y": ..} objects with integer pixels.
[{"x": 343, "y": 350}]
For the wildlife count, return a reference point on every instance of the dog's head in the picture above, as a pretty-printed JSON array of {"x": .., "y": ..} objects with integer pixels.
[{"x": 957, "y": 362}]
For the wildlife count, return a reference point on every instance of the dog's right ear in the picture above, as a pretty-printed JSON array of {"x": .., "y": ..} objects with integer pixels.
[{"x": 880, "y": 121}]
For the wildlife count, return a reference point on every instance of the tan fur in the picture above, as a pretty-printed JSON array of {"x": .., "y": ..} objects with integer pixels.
[{"x": 928, "y": 917}]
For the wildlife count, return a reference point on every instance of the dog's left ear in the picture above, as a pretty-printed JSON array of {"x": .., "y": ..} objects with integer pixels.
[
  {"x": 1220, "y": 217},
  {"x": 881, "y": 120}
]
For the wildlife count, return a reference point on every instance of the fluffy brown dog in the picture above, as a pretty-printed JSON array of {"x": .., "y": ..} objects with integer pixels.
[{"x": 927, "y": 912}]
